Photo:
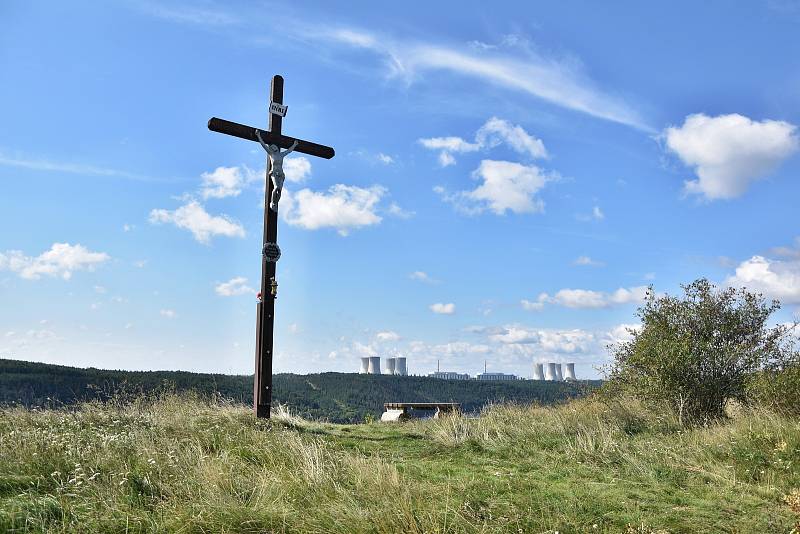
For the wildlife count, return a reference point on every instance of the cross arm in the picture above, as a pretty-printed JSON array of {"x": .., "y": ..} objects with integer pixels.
[{"x": 248, "y": 132}]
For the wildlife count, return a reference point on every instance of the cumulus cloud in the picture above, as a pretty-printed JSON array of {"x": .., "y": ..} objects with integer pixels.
[
  {"x": 222, "y": 182},
  {"x": 297, "y": 169},
  {"x": 586, "y": 298},
  {"x": 776, "y": 279},
  {"x": 388, "y": 335},
  {"x": 729, "y": 152},
  {"x": 342, "y": 207},
  {"x": 443, "y": 309},
  {"x": 61, "y": 260},
  {"x": 507, "y": 186},
  {"x": 234, "y": 287},
  {"x": 494, "y": 132},
  {"x": 193, "y": 217}
]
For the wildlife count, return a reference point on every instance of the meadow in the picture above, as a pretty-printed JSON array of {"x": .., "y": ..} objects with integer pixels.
[{"x": 185, "y": 463}]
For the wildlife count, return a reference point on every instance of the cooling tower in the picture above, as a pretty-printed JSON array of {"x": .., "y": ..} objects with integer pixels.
[
  {"x": 364, "y": 365},
  {"x": 400, "y": 366},
  {"x": 390, "y": 366},
  {"x": 374, "y": 365},
  {"x": 551, "y": 372},
  {"x": 559, "y": 376},
  {"x": 538, "y": 371},
  {"x": 570, "y": 375}
]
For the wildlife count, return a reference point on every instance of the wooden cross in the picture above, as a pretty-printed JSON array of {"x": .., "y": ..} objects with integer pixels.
[{"x": 265, "y": 309}]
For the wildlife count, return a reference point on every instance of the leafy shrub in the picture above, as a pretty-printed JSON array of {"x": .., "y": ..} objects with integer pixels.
[
  {"x": 778, "y": 390},
  {"x": 696, "y": 352}
]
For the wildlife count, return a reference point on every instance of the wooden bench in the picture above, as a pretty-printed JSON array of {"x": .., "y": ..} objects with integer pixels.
[{"x": 398, "y": 411}]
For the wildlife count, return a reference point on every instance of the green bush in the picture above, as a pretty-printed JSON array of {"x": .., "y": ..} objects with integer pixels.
[
  {"x": 698, "y": 351},
  {"x": 778, "y": 390}
]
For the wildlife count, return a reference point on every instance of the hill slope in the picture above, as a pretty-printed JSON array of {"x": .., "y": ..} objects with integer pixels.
[
  {"x": 336, "y": 397},
  {"x": 177, "y": 464}
]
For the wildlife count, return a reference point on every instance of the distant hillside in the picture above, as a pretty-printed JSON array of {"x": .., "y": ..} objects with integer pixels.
[{"x": 336, "y": 397}]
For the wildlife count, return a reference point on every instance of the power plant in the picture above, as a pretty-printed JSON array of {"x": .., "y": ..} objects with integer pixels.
[
  {"x": 371, "y": 365},
  {"x": 374, "y": 365},
  {"x": 550, "y": 374},
  {"x": 554, "y": 372},
  {"x": 570, "y": 372},
  {"x": 538, "y": 371},
  {"x": 396, "y": 366}
]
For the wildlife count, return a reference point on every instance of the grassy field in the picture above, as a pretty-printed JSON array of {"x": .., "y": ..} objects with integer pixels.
[{"x": 180, "y": 464}]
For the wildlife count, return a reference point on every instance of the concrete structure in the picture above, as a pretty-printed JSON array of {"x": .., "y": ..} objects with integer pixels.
[
  {"x": 448, "y": 375},
  {"x": 390, "y": 366},
  {"x": 559, "y": 374},
  {"x": 364, "y": 365},
  {"x": 538, "y": 371},
  {"x": 495, "y": 376},
  {"x": 550, "y": 374},
  {"x": 402, "y": 411},
  {"x": 570, "y": 374},
  {"x": 374, "y": 365},
  {"x": 400, "y": 366}
]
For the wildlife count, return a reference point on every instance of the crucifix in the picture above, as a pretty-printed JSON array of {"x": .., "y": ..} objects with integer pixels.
[{"x": 272, "y": 141}]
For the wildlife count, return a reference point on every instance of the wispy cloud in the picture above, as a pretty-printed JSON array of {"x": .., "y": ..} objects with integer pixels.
[
  {"x": 559, "y": 82},
  {"x": 40, "y": 164}
]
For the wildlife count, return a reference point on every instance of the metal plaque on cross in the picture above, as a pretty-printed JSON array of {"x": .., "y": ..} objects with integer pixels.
[{"x": 278, "y": 109}]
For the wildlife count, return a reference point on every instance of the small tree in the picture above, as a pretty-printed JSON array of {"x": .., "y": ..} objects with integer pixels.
[{"x": 698, "y": 351}]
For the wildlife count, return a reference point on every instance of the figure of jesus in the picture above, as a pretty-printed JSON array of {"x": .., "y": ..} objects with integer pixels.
[{"x": 276, "y": 173}]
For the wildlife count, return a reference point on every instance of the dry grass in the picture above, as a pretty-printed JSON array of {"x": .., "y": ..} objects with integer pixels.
[{"x": 183, "y": 464}]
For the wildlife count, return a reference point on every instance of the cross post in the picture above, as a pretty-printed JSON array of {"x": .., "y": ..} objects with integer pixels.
[{"x": 265, "y": 309}]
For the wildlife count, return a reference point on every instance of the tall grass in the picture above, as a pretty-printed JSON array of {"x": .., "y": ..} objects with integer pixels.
[{"x": 186, "y": 464}]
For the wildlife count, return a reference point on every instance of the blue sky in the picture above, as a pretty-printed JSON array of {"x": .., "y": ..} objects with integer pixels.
[{"x": 508, "y": 178}]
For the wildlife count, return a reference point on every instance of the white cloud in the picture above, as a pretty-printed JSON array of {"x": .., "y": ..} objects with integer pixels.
[
  {"x": 587, "y": 261},
  {"x": 493, "y": 132},
  {"x": 586, "y": 298},
  {"x": 297, "y": 169},
  {"x": 193, "y": 217},
  {"x": 233, "y": 287},
  {"x": 446, "y": 159},
  {"x": 774, "y": 278},
  {"x": 343, "y": 207},
  {"x": 128, "y": 227},
  {"x": 596, "y": 215},
  {"x": 61, "y": 260},
  {"x": 559, "y": 81},
  {"x": 507, "y": 186},
  {"x": 385, "y": 159},
  {"x": 449, "y": 144},
  {"x": 169, "y": 314},
  {"x": 62, "y": 167},
  {"x": 729, "y": 152},
  {"x": 444, "y": 309},
  {"x": 621, "y": 333},
  {"x": 388, "y": 335},
  {"x": 422, "y": 276},
  {"x": 532, "y": 305},
  {"x": 396, "y": 211},
  {"x": 222, "y": 182}
]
